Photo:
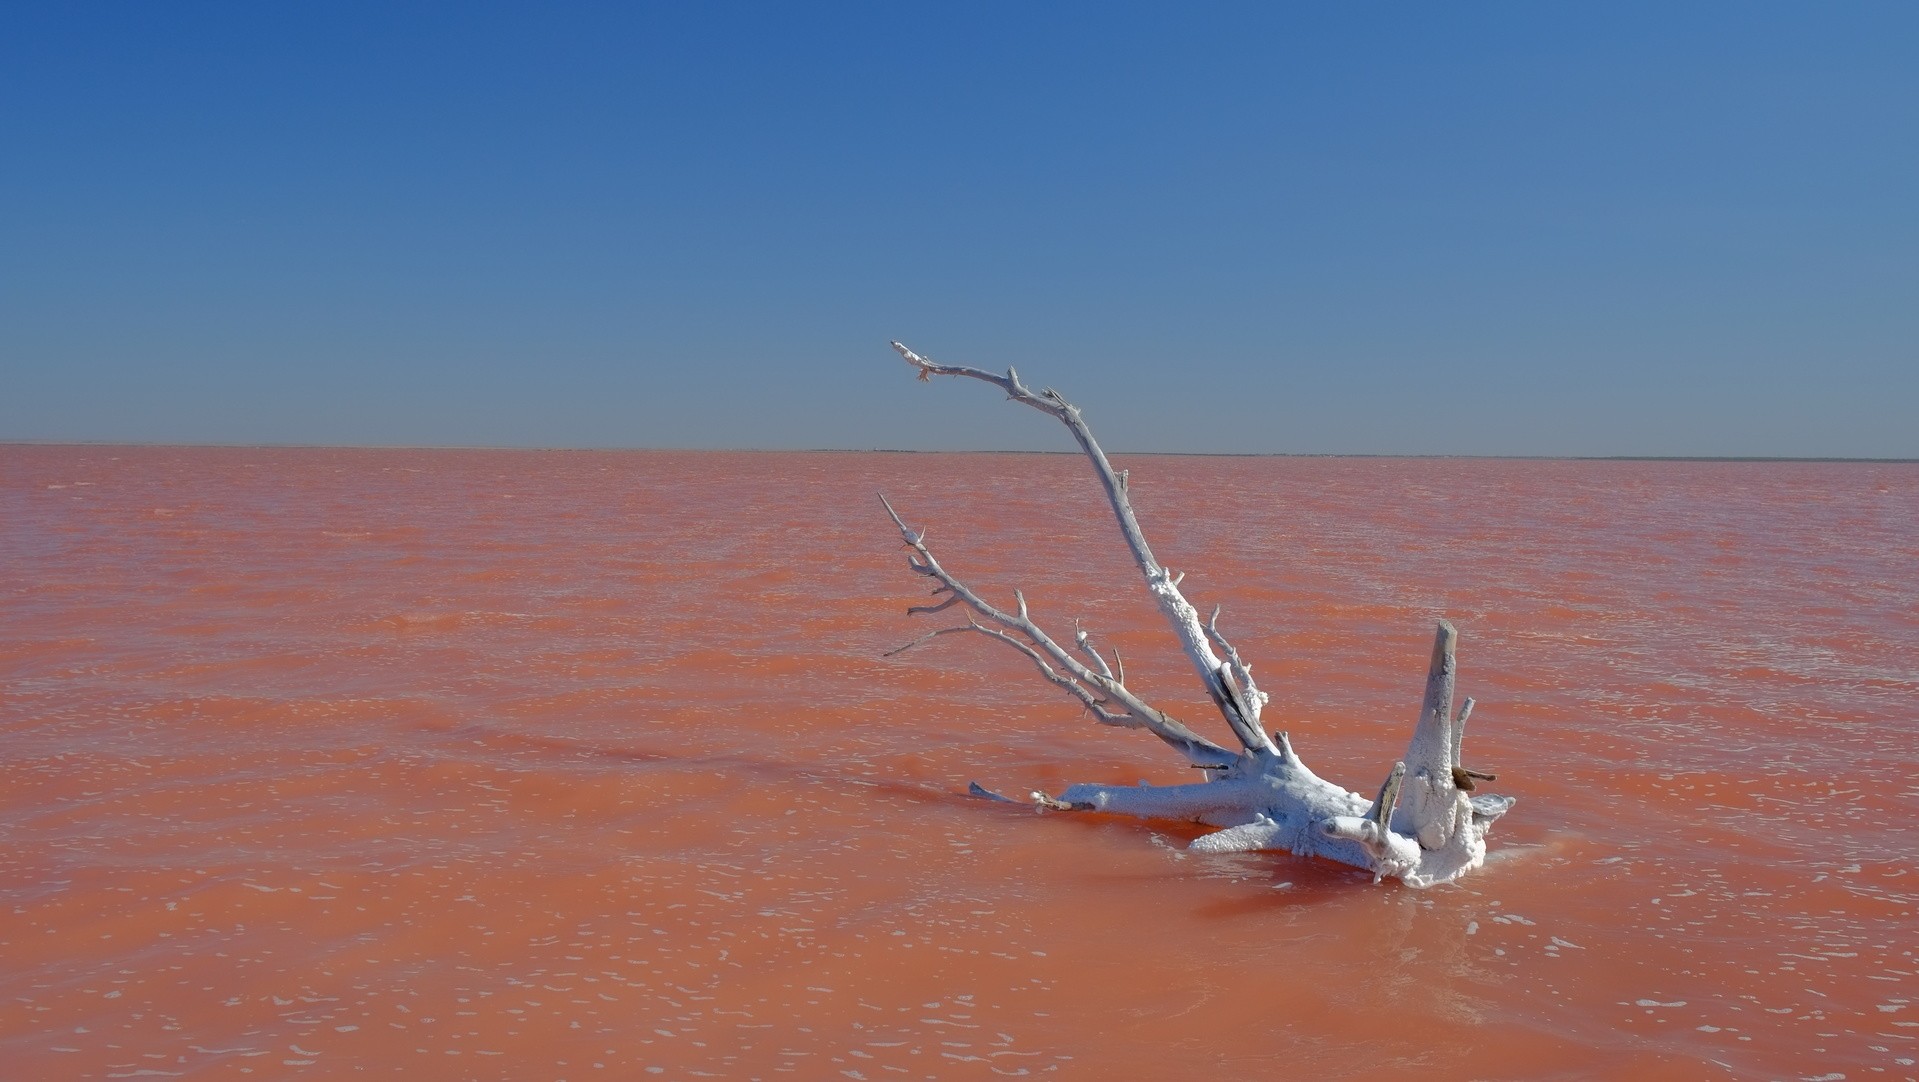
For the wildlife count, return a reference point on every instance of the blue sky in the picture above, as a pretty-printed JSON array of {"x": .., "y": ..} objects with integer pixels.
[{"x": 1375, "y": 228}]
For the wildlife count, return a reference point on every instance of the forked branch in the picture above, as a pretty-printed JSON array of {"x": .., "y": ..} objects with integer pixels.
[
  {"x": 1228, "y": 683},
  {"x": 1100, "y": 691}
]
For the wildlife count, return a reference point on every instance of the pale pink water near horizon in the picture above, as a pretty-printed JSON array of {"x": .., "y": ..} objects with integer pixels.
[{"x": 518, "y": 764}]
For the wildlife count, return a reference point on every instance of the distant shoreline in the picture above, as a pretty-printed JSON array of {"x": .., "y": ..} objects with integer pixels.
[{"x": 4, "y": 444}]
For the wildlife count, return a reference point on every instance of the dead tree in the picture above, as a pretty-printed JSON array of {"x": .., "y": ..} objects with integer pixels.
[{"x": 1425, "y": 826}]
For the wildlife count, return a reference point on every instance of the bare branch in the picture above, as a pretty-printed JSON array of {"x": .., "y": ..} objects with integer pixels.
[
  {"x": 977, "y": 790},
  {"x": 1057, "y": 666},
  {"x": 1085, "y": 643},
  {"x": 1242, "y": 672},
  {"x": 1068, "y": 684},
  {"x": 916, "y": 610},
  {"x": 1163, "y": 585},
  {"x": 1459, "y": 727},
  {"x": 926, "y": 638},
  {"x": 1381, "y": 813}
]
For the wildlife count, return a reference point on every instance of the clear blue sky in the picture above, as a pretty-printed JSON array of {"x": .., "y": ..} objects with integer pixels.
[{"x": 1426, "y": 228}]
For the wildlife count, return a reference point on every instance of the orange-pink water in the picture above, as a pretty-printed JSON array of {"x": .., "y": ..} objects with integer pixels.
[{"x": 493, "y": 764}]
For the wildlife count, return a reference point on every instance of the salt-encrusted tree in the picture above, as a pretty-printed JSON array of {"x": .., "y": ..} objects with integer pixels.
[{"x": 1425, "y": 826}]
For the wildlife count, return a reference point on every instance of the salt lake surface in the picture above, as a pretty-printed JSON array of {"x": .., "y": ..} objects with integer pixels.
[{"x": 502, "y": 764}]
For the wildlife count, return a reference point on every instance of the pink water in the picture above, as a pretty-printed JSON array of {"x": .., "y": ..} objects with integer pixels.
[{"x": 494, "y": 764}]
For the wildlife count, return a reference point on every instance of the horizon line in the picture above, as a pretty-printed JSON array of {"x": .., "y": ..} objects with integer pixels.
[{"x": 599, "y": 449}]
